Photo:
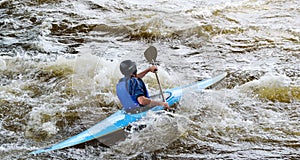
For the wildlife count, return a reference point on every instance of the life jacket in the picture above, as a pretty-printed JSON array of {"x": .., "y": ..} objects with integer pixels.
[{"x": 127, "y": 101}]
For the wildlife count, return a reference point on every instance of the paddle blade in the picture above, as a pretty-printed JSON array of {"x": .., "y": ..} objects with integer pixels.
[{"x": 151, "y": 54}]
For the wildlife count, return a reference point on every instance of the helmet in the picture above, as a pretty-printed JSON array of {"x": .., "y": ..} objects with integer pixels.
[{"x": 128, "y": 67}]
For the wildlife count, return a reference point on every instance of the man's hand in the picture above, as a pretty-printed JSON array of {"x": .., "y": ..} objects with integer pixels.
[
  {"x": 153, "y": 69},
  {"x": 166, "y": 105}
]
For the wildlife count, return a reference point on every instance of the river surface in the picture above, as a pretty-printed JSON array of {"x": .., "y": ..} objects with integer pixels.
[{"x": 59, "y": 64}]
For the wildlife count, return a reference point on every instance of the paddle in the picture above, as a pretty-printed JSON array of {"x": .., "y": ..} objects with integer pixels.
[{"x": 151, "y": 54}]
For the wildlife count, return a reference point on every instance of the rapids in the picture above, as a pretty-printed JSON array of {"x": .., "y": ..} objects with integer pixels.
[{"x": 59, "y": 65}]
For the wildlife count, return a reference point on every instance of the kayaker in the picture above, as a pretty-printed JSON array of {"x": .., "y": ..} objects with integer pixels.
[{"x": 131, "y": 89}]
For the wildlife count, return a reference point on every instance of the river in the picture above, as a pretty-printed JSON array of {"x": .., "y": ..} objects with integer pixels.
[{"x": 59, "y": 65}]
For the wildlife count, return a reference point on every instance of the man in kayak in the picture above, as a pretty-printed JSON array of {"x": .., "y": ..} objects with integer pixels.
[{"x": 131, "y": 89}]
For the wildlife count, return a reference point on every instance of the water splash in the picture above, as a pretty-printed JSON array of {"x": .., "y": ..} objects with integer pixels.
[
  {"x": 160, "y": 131},
  {"x": 273, "y": 87}
]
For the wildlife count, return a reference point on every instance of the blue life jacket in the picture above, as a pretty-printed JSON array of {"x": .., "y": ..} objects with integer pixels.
[{"x": 127, "y": 101}]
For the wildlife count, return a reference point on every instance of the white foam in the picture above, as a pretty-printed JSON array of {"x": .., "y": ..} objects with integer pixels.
[
  {"x": 93, "y": 73},
  {"x": 50, "y": 127},
  {"x": 2, "y": 64},
  {"x": 271, "y": 80},
  {"x": 36, "y": 118},
  {"x": 45, "y": 44},
  {"x": 161, "y": 130}
]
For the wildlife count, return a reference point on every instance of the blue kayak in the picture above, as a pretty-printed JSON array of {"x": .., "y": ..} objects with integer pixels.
[{"x": 111, "y": 129}]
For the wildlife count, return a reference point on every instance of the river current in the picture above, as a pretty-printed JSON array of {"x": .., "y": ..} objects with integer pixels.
[{"x": 59, "y": 65}]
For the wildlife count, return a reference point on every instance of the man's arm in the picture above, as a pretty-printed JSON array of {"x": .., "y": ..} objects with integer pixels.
[
  {"x": 150, "y": 69},
  {"x": 148, "y": 102}
]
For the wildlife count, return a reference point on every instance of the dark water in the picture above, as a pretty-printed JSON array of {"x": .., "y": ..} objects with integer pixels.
[{"x": 59, "y": 67}]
